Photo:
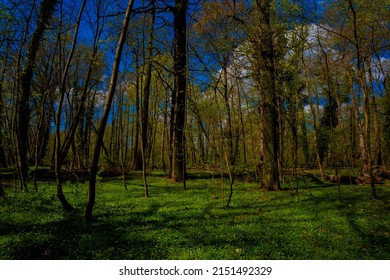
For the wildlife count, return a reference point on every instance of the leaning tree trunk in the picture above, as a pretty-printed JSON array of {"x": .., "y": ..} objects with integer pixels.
[
  {"x": 59, "y": 153},
  {"x": 103, "y": 122}
]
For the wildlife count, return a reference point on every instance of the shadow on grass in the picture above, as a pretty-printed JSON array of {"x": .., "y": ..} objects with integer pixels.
[
  {"x": 189, "y": 225},
  {"x": 374, "y": 232},
  {"x": 72, "y": 239},
  {"x": 142, "y": 234}
]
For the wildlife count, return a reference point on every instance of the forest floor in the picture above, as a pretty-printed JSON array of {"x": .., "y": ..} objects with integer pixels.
[{"x": 173, "y": 223}]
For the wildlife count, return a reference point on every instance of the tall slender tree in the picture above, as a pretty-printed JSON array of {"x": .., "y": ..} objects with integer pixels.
[
  {"x": 60, "y": 154},
  {"x": 146, "y": 93},
  {"x": 107, "y": 107}
]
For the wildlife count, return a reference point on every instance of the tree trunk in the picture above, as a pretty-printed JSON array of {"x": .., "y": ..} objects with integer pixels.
[
  {"x": 145, "y": 104},
  {"x": 140, "y": 157},
  {"x": 23, "y": 108},
  {"x": 243, "y": 128},
  {"x": 61, "y": 151},
  {"x": 103, "y": 122},
  {"x": 268, "y": 98},
  {"x": 163, "y": 136},
  {"x": 3, "y": 159},
  {"x": 180, "y": 69},
  {"x": 303, "y": 138},
  {"x": 360, "y": 65},
  {"x": 137, "y": 160},
  {"x": 378, "y": 140},
  {"x": 314, "y": 121},
  {"x": 229, "y": 133},
  {"x": 386, "y": 123}
]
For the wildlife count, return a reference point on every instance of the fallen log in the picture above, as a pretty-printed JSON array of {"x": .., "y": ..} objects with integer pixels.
[{"x": 379, "y": 172}]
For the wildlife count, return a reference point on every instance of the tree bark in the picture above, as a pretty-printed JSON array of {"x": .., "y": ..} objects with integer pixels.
[
  {"x": 268, "y": 98},
  {"x": 180, "y": 69}
]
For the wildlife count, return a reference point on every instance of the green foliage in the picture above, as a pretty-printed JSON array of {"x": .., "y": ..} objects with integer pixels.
[
  {"x": 328, "y": 123},
  {"x": 194, "y": 224},
  {"x": 6, "y": 21}
]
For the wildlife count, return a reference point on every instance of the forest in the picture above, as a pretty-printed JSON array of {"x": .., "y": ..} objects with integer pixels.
[{"x": 194, "y": 129}]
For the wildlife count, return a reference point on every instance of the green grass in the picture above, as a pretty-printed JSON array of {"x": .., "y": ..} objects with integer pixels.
[{"x": 194, "y": 223}]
